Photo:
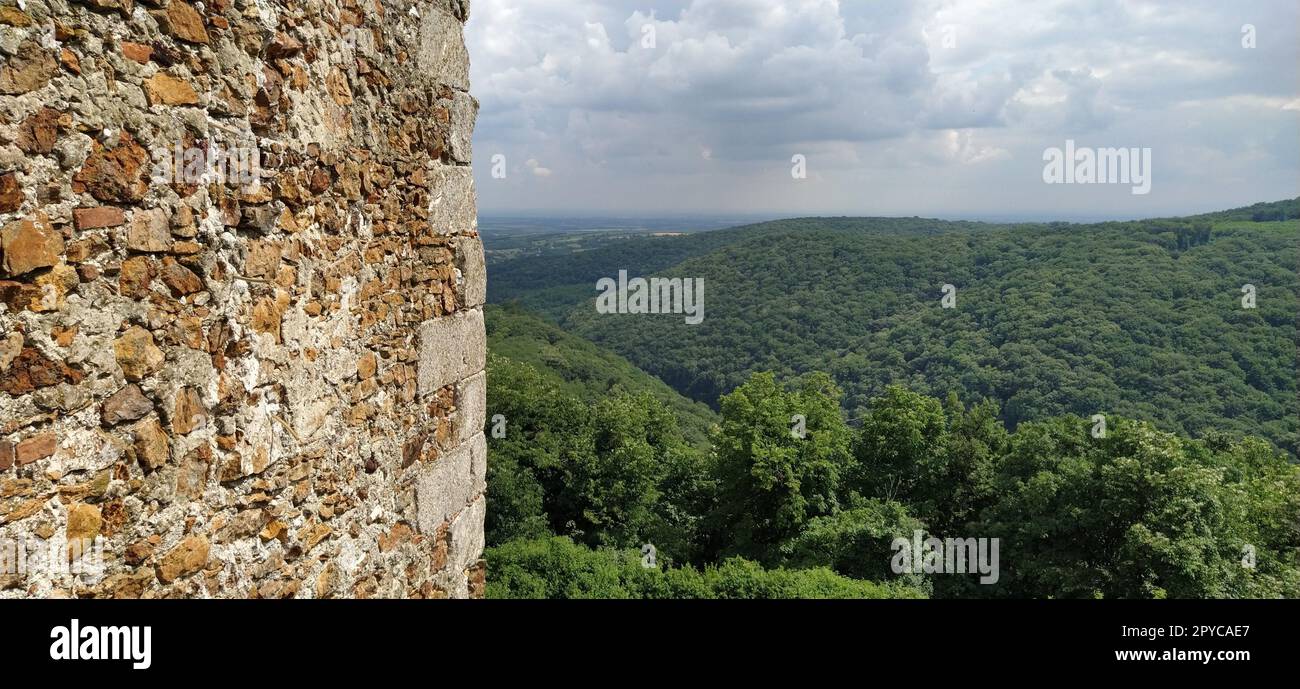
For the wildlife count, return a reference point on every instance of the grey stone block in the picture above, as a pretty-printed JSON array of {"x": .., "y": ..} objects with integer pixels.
[
  {"x": 442, "y": 54},
  {"x": 446, "y": 485},
  {"x": 452, "y": 200},
  {"x": 472, "y": 286},
  {"x": 452, "y": 348}
]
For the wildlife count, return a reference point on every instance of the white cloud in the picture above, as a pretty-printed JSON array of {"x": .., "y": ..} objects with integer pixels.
[{"x": 905, "y": 96}]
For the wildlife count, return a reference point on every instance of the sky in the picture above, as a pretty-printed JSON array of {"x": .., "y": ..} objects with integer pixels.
[{"x": 924, "y": 107}]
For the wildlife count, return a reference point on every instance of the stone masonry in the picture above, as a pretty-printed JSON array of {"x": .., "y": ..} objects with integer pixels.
[{"x": 241, "y": 288}]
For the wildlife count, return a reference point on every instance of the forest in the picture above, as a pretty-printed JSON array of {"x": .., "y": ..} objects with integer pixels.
[
  {"x": 830, "y": 405},
  {"x": 1144, "y": 319}
]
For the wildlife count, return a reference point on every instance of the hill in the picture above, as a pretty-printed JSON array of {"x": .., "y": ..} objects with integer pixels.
[
  {"x": 585, "y": 370},
  {"x": 1143, "y": 319}
]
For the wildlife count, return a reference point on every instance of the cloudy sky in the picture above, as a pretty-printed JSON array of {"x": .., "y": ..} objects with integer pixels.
[{"x": 927, "y": 107}]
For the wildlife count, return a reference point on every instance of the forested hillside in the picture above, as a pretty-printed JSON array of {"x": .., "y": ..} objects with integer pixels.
[
  {"x": 912, "y": 419},
  {"x": 607, "y": 500},
  {"x": 585, "y": 370},
  {"x": 1143, "y": 319}
]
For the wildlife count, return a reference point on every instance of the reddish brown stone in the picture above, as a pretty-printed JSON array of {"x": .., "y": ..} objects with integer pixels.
[
  {"x": 135, "y": 276},
  {"x": 188, "y": 413},
  {"x": 70, "y": 61},
  {"x": 137, "y": 354},
  {"x": 151, "y": 448},
  {"x": 164, "y": 89},
  {"x": 39, "y": 132},
  {"x": 30, "y": 68},
  {"x": 6, "y": 454},
  {"x": 127, "y": 404},
  {"x": 179, "y": 279},
  {"x": 114, "y": 174},
  {"x": 187, "y": 557},
  {"x": 28, "y": 245},
  {"x": 36, "y": 447},
  {"x": 99, "y": 216},
  {"x": 184, "y": 22},
  {"x": 18, "y": 296},
  {"x": 31, "y": 370},
  {"x": 11, "y": 194},
  {"x": 137, "y": 52}
]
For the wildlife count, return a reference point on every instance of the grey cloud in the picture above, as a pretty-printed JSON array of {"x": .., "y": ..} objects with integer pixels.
[{"x": 708, "y": 117}]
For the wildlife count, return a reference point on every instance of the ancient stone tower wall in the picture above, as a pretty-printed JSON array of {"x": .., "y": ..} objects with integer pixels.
[{"x": 241, "y": 337}]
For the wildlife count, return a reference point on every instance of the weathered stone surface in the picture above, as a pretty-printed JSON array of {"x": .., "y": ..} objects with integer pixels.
[
  {"x": 151, "y": 447},
  {"x": 226, "y": 377},
  {"x": 183, "y": 21},
  {"x": 133, "y": 281},
  {"x": 466, "y": 536},
  {"x": 29, "y": 69},
  {"x": 137, "y": 354},
  {"x": 115, "y": 174},
  {"x": 11, "y": 195},
  {"x": 452, "y": 200},
  {"x": 179, "y": 279},
  {"x": 471, "y": 286},
  {"x": 189, "y": 556},
  {"x": 137, "y": 52},
  {"x": 448, "y": 484},
  {"x": 452, "y": 348},
  {"x": 36, "y": 447},
  {"x": 97, "y": 217},
  {"x": 31, "y": 370},
  {"x": 188, "y": 412},
  {"x": 442, "y": 55},
  {"x": 464, "y": 110},
  {"x": 149, "y": 232},
  {"x": 11, "y": 346},
  {"x": 39, "y": 132},
  {"x": 127, "y": 404},
  {"x": 164, "y": 89},
  {"x": 84, "y": 522},
  {"x": 28, "y": 245},
  {"x": 54, "y": 285},
  {"x": 13, "y": 16},
  {"x": 471, "y": 408}
]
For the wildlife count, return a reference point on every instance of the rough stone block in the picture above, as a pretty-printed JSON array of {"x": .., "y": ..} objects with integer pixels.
[
  {"x": 442, "y": 53},
  {"x": 452, "y": 348},
  {"x": 472, "y": 287},
  {"x": 452, "y": 200},
  {"x": 466, "y": 536},
  {"x": 471, "y": 408},
  {"x": 464, "y": 110},
  {"x": 446, "y": 485}
]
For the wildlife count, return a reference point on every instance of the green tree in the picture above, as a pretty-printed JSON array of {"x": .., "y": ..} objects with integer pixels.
[
  {"x": 780, "y": 456},
  {"x": 900, "y": 447}
]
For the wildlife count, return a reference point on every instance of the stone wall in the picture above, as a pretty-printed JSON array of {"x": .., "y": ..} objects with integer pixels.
[{"x": 252, "y": 380}]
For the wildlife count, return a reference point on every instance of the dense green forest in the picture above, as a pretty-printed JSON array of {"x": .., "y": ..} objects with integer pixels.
[
  {"x": 853, "y": 410},
  {"x": 1143, "y": 319},
  {"x": 578, "y": 490},
  {"x": 584, "y": 369}
]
